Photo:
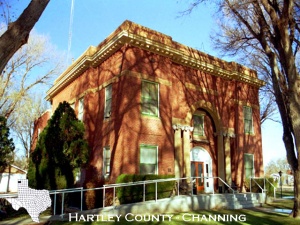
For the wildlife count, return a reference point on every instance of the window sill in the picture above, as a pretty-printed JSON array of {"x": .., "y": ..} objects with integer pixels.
[
  {"x": 150, "y": 116},
  {"x": 201, "y": 139},
  {"x": 107, "y": 119},
  {"x": 106, "y": 177}
]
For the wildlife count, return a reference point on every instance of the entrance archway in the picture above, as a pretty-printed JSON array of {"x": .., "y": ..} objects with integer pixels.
[{"x": 201, "y": 169}]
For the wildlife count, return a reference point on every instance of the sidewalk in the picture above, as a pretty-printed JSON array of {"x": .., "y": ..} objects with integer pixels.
[{"x": 24, "y": 220}]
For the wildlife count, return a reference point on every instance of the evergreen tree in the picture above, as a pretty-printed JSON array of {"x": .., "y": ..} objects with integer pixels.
[
  {"x": 6, "y": 145},
  {"x": 61, "y": 149}
]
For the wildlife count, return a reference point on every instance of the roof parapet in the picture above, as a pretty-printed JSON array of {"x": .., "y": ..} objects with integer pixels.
[{"x": 156, "y": 42}]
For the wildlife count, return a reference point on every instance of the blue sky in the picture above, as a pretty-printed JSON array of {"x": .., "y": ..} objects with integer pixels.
[{"x": 94, "y": 20}]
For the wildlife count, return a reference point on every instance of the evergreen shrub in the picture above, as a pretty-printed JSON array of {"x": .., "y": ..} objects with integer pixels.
[
  {"x": 256, "y": 189},
  {"x": 134, "y": 193}
]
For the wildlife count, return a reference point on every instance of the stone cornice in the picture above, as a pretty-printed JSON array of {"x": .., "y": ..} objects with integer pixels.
[{"x": 153, "y": 41}]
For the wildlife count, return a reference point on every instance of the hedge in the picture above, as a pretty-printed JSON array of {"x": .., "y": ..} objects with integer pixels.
[
  {"x": 134, "y": 193},
  {"x": 254, "y": 187}
]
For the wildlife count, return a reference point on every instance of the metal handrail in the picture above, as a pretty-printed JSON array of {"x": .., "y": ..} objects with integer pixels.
[
  {"x": 68, "y": 190},
  {"x": 274, "y": 188},
  {"x": 114, "y": 186},
  {"x": 8, "y": 195},
  {"x": 263, "y": 189},
  {"x": 233, "y": 191},
  {"x": 63, "y": 192},
  {"x": 142, "y": 182},
  {"x": 256, "y": 183}
]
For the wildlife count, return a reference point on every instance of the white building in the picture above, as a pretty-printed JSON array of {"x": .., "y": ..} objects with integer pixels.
[{"x": 9, "y": 178}]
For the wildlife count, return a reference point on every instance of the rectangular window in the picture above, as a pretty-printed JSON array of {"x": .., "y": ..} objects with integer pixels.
[
  {"x": 248, "y": 120},
  {"x": 108, "y": 100},
  {"x": 106, "y": 161},
  {"x": 148, "y": 159},
  {"x": 80, "y": 109},
  {"x": 150, "y": 97},
  {"x": 249, "y": 165},
  {"x": 198, "y": 123}
]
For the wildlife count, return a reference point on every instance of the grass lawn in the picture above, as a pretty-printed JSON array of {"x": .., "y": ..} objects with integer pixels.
[{"x": 256, "y": 216}]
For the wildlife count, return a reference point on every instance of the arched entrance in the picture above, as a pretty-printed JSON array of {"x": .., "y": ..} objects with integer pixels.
[{"x": 201, "y": 169}]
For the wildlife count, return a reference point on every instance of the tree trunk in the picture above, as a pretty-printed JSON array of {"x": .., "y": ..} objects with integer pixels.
[
  {"x": 294, "y": 106},
  {"x": 289, "y": 110},
  {"x": 296, "y": 208},
  {"x": 18, "y": 32}
]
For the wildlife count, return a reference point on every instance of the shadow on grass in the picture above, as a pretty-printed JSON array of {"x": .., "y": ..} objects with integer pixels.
[
  {"x": 252, "y": 216},
  {"x": 281, "y": 204}
]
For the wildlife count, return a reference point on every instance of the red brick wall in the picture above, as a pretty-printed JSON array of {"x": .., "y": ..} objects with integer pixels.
[
  {"x": 181, "y": 88},
  {"x": 39, "y": 125}
]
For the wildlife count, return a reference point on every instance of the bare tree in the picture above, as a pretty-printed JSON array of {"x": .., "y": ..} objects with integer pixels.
[
  {"x": 277, "y": 165},
  {"x": 18, "y": 31},
  {"x": 31, "y": 68},
  {"x": 268, "y": 106},
  {"x": 33, "y": 106},
  {"x": 270, "y": 29},
  {"x": 32, "y": 65}
]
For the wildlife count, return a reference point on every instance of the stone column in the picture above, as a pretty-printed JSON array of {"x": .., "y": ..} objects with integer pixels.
[
  {"x": 221, "y": 160},
  {"x": 227, "y": 160},
  {"x": 230, "y": 134},
  {"x": 178, "y": 152},
  {"x": 186, "y": 154},
  {"x": 182, "y": 150}
]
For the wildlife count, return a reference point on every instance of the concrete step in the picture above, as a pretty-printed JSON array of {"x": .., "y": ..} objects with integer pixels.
[
  {"x": 230, "y": 201},
  {"x": 242, "y": 200}
]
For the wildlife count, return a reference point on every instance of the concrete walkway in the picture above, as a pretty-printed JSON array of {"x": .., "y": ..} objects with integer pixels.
[
  {"x": 166, "y": 206},
  {"x": 25, "y": 220}
]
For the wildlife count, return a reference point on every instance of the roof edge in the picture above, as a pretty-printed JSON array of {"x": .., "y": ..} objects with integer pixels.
[{"x": 154, "y": 41}]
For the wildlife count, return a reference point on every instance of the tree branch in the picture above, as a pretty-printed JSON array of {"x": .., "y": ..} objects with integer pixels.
[{"x": 18, "y": 31}]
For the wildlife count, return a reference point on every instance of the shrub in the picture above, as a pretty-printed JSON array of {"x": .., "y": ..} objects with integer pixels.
[
  {"x": 269, "y": 187},
  {"x": 61, "y": 147},
  {"x": 93, "y": 198},
  {"x": 255, "y": 188},
  {"x": 134, "y": 193}
]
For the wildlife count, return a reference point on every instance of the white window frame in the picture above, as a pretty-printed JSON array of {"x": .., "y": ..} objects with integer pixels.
[
  {"x": 245, "y": 168},
  {"x": 247, "y": 112},
  {"x": 81, "y": 108},
  {"x": 108, "y": 101},
  {"x": 106, "y": 161},
  {"x": 146, "y": 148},
  {"x": 144, "y": 112}
]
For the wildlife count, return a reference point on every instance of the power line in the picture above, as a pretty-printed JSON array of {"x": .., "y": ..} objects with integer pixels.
[{"x": 70, "y": 31}]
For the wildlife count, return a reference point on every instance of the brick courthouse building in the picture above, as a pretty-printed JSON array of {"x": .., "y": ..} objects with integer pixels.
[{"x": 151, "y": 105}]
